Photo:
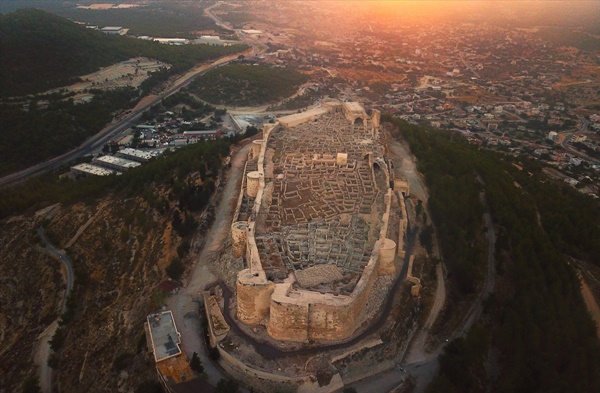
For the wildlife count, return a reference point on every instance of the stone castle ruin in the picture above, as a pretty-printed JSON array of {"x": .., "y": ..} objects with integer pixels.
[{"x": 312, "y": 224}]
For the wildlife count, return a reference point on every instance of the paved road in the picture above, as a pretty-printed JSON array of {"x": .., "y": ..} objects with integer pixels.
[
  {"x": 565, "y": 143},
  {"x": 97, "y": 141},
  {"x": 64, "y": 260},
  {"x": 43, "y": 352}
]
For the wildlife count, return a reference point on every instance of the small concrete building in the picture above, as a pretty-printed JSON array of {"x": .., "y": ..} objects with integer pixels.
[
  {"x": 116, "y": 163},
  {"x": 113, "y": 30},
  {"x": 136, "y": 155},
  {"x": 88, "y": 169},
  {"x": 203, "y": 134}
]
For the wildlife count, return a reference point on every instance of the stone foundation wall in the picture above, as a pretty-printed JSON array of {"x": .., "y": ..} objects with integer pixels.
[
  {"x": 264, "y": 381},
  {"x": 288, "y": 321}
]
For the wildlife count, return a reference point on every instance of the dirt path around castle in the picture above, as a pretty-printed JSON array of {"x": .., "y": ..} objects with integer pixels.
[
  {"x": 590, "y": 302},
  {"x": 407, "y": 169},
  {"x": 205, "y": 272}
]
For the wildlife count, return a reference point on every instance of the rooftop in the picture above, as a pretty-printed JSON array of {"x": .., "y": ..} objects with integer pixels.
[
  {"x": 164, "y": 335},
  {"x": 92, "y": 169},
  {"x": 144, "y": 155},
  {"x": 120, "y": 162}
]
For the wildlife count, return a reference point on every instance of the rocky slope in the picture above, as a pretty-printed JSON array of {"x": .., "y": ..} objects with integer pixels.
[{"x": 119, "y": 250}]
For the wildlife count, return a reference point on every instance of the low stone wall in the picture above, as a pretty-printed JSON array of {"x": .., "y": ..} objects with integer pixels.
[
  {"x": 268, "y": 382},
  {"x": 217, "y": 327}
]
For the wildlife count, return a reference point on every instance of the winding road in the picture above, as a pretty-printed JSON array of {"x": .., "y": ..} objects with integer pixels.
[
  {"x": 565, "y": 143},
  {"x": 43, "y": 351}
]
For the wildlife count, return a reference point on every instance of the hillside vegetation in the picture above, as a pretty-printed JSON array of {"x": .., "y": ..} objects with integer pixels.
[
  {"x": 567, "y": 37},
  {"x": 37, "y": 134},
  {"x": 156, "y": 19},
  {"x": 135, "y": 229},
  {"x": 41, "y": 51},
  {"x": 245, "y": 85},
  {"x": 535, "y": 335}
]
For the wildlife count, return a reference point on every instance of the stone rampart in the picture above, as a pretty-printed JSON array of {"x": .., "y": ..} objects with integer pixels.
[
  {"x": 303, "y": 315},
  {"x": 402, "y": 227},
  {"x": 416, "y": 288}
]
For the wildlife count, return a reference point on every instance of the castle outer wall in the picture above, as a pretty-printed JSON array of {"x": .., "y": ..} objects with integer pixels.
[{"x": 296, "y": 314}]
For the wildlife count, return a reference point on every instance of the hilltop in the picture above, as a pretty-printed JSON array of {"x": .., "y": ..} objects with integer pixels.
[
  {"x": 242, "y": 84},
  {"x": 41, "y": 51}
]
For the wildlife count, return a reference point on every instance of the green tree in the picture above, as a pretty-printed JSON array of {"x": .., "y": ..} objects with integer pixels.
[
  {"x": 175, "y": 269},
  {"x": 227, "y": 386},
  {"x": 426, "y": 238},
  {"x": 196, "y": 364},
  {"x": 419, "y": 207},
  {"x": 31, "y": 385}
]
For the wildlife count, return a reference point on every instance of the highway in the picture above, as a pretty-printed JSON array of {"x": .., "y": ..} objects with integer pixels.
[
  {"x": 97, "y": 141},
  {"x": 584, "y": 126}
]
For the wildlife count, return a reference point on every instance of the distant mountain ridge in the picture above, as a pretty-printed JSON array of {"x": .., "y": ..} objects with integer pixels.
[{"x": 41, "y": 51}]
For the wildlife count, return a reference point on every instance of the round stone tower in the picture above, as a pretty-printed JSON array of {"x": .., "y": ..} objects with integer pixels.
[
  {"x": 239, "y": 238},
  {"x": 253, "y": 297},
  {"x": 253, "y": 183},
  {"x": 387, "y": 253},
  {"x": 256, "y": 146}
]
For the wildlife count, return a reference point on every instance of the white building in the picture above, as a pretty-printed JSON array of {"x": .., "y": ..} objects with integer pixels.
[
  {"x": 114, "y": 30},
  {"x": 116, "y": 163},
  {"x": 575, "y": 161},
  {"x": 172, "y": 41},
  {"x": 88, "y": 169},
  {"x": 552, "y": 136},
  {"x": 136, "y": 155}
]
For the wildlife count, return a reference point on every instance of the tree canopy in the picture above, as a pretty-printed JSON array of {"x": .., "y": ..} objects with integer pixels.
[{"x": 536, "y": 324}]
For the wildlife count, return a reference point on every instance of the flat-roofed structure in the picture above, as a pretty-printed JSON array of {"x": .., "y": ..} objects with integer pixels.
[
  {"x": 164, "y": 341},
  {"x": 203, "y": 134},
  {"x": 172, "y": 41},
  {"x": 165, "y": 338},
  {"x": 88, "y": 169},
  {"x": 116, "y": 163},
  {"x": 137, "y": 155},
  {"x": 114, "y": 30}
]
